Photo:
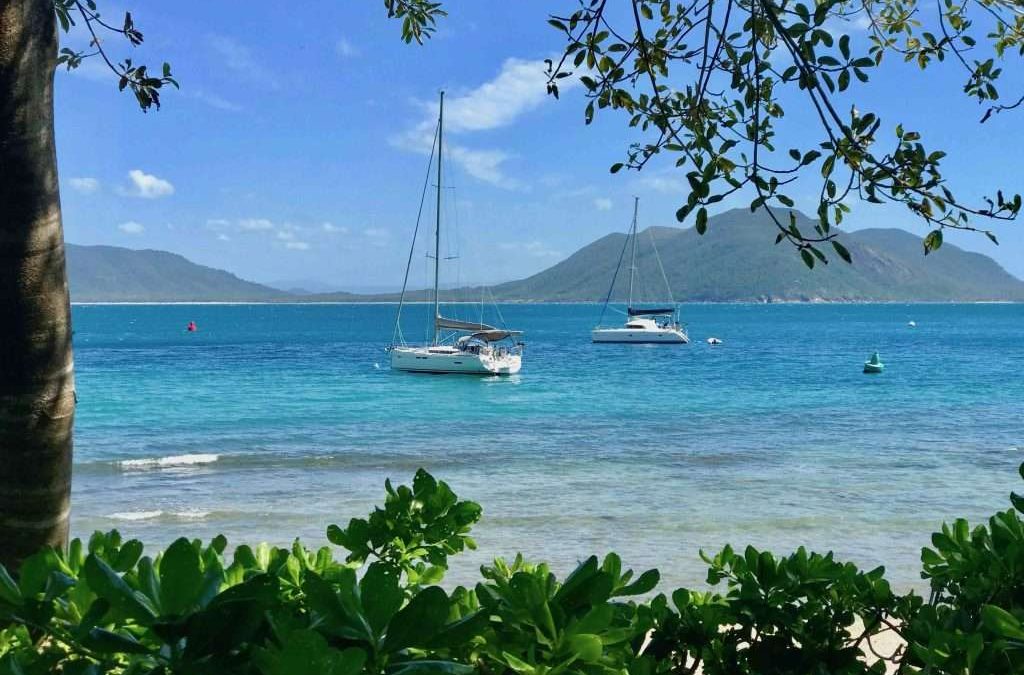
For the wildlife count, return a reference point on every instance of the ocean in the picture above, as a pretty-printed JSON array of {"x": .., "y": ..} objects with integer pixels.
[{"x": 273, "y": 421}]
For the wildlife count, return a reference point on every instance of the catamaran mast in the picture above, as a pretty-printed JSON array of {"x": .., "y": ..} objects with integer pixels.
[
  {"x": 632, "y": 262},
  {"x": 437, "y": 226}
]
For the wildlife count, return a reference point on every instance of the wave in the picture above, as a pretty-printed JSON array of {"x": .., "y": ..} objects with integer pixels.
[
  {"x": 263, "y": 460},
  {"x": 169, "y": 462},
  {"x": 189, "y": 515}
]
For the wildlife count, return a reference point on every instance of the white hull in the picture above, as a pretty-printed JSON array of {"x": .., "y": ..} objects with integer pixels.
[
  {"x": 449, "y": 360},
  {"x": 640, "y": 335}
]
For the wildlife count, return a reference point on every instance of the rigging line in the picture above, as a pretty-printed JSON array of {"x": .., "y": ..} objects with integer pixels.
[
  {"x": 497, "y": 309},
  {"x": 611, "y": 288},
  {"x": 664, "y": 276},
  {"x": 412, "y": 248}
]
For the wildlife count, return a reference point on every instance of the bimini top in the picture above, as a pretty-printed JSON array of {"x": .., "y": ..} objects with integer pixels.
[
  {"x": 493, "y": 335},
  {"x": 638, "y": 311}
]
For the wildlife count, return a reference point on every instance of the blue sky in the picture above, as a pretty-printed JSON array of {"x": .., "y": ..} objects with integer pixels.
[{"x": 294, "y": 150}]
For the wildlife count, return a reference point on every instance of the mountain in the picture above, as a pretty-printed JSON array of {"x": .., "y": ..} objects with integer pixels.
[
  {"x": 735, "y": 261},
  {"x": 114, "y": 274}
]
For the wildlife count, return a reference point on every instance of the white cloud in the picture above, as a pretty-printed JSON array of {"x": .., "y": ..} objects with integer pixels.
[
  {"x": 603, "y": 204},
  {"x": 217, "y": 222},
  {"x": 377, "y": 233},
  {"x": 332, "y": 228},
  {"x": 255, "y": 224},
  {"x": 239, "y": 58},
  {"x": 536, "y": 248},
  {"x": 484, "y": 165},
  {"x": 668, "y": 181},
  {"x": 223, "y": 237},
  {"x": 147, "y": 186},
  {"x": 297, "y": 246},
  {"x": 345, "y": 49},
  {"x": 285, "y": 235},
  {"x": 213, "y": 100},
  {"x": 520, "y": 86},
  {"x": 131, "y": 227},
  {"x": 85, "y": 185}
]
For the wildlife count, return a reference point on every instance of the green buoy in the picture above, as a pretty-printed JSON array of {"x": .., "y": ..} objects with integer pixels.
[{"x": 874, "y": 364}]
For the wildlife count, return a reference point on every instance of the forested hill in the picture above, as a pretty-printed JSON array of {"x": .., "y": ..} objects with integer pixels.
[
  {"x": 735, "y": 260},
  {"x": 114, "y": 274}
]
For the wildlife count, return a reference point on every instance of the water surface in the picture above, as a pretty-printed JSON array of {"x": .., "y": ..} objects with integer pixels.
[{"x": 273, "y": 421}]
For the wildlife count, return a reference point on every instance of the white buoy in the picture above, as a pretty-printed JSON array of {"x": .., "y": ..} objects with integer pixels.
[
  {"x": 912, "y": 324},
  {"x": 714, "y": 341}
]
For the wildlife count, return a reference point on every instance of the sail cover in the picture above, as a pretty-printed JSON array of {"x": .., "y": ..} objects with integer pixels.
[
  {"x": 638, "y": 311},
  {"x": 455, "y": 324}
]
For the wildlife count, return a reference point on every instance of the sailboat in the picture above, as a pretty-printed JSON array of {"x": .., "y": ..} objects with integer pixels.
[
  {"x": 643, "y": 324},
  {"x": 468, "y": 347}
]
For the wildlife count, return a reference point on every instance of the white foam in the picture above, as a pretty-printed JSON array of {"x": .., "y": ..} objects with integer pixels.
[
  {"x": 136, "y": 515},
  {"x": 191, "y": 514},
  {"x": 170, "y": 461}
]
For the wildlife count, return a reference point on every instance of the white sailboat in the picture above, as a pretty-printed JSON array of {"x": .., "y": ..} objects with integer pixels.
[
  {"x": 469, "y": 347},
  {"x": 644, "y": 325}
]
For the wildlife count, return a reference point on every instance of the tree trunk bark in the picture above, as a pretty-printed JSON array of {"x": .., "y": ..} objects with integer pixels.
[{"x": 37, "y": 387}]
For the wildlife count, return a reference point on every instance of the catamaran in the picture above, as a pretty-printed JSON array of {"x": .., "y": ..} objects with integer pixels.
[
  {"x": 643, "y": 324},
  {"x": 467, "y": 347}
]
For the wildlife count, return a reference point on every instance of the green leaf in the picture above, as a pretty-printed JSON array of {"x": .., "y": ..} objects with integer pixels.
[
  {"x": 181, "y": 577},
  {"x": 305, "y": 652},
  {"x": 9, "y": 591},
  {"x": 586, "y": 646},
  {"x": 1001, "y": 622},
  {"x": 427, "y": 667},
  {"x": 841, "y": 251},
  {"x": 933, "y": 241},
  {"x": 808, "y": 258},
  {"x": 107, "y": 584},
  {"x": 459, "y": 632},
  {"x": 340, "y": 613},
  {"x": 128, "y": 556},
  {"x": 109, "y": 642},
  {"x": 35, "y": 571},
  {"x": 381, "y": 595},
  {"x": 644, "y": 584},
  {"x": 702, "y": 220},
  {"x": 419, "y": 621}
]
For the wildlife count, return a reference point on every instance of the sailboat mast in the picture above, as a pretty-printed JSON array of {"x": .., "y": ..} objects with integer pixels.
[
  {"x": 437, "y": 226},
  {"x": 632, "y": 262}
]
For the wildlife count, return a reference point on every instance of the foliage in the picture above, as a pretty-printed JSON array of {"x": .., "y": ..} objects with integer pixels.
[
  {"x": 137, "y": 78},
  {"x": 106, "y": 607},
  {"x": 804, "y": 613},
  {"x": 705, "y": 81}
]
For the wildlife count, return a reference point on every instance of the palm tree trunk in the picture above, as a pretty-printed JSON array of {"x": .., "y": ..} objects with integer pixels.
[{"x": 37, "y": 387}]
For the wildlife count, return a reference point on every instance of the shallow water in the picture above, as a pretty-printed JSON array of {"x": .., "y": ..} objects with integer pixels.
[{"x": 273, "y": 421}]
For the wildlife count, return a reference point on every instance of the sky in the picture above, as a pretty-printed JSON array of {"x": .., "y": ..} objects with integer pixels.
[{"x": 295, "y": 151}]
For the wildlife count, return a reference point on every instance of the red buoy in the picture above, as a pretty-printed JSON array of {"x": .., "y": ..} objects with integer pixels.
[{"x": 192, "y": 327}]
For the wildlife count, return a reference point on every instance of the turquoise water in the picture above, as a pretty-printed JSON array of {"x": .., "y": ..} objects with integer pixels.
[{"x": 273, "y": 421}]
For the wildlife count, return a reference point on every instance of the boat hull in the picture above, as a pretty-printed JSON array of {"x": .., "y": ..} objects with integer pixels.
[
  {"x": 423, "y": 360},
  {"x": 639, "y": 336}
]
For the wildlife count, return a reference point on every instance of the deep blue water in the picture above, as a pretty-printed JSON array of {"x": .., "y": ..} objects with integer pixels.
[{"x": 273, "y": 421}]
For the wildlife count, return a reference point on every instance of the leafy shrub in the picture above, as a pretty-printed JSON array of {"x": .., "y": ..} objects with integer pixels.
[{"x": 105, "y": 607}]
